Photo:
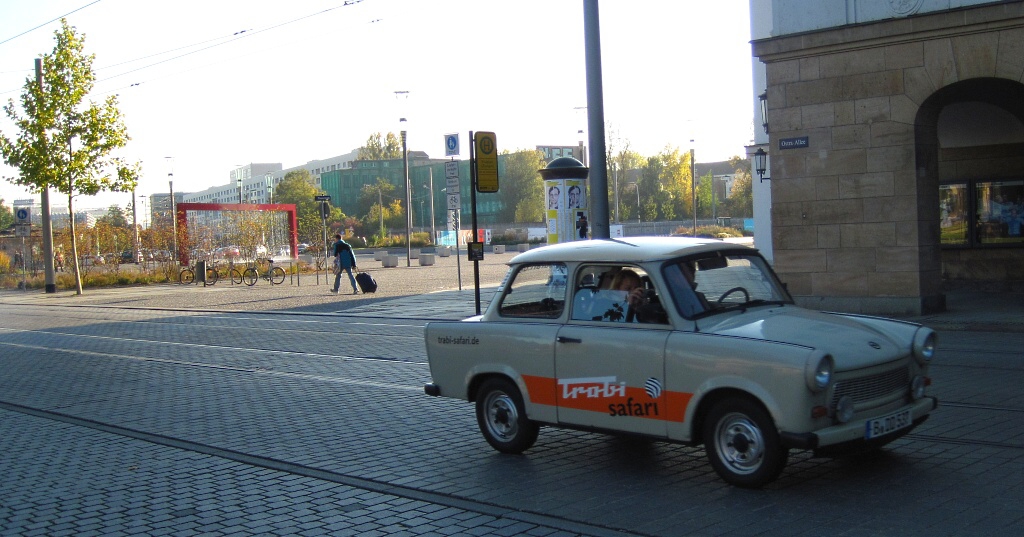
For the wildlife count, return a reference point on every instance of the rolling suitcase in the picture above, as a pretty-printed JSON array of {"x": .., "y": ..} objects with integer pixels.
[{"x": 366, "y": 282}]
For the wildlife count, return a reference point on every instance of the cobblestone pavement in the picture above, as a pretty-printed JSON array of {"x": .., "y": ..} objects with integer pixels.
[{"x": 184, "y": 410}]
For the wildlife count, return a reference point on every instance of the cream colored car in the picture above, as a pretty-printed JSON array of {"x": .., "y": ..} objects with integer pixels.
[{"x": 682, "y": 340}]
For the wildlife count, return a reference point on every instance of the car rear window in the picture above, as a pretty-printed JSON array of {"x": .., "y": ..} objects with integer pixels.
[{"x": 535, "y": 291}]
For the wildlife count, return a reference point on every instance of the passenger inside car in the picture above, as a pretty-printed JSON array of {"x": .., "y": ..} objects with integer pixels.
[{"x": 621, "y": 296}]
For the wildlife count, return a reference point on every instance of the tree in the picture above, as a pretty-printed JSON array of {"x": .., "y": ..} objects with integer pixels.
[
  {"x": 650, "y": 185},
  {"x": 741, "y": 197},
  {"x": 6, "y": 216},
  {"x": 522, "y": 189},
  {"x": 382, "y": 208},
  {"x": 675, "y": 176},
  {"x": 114, "y": 217},
  {"x": 64, "y": 143},
  {"x": 375, "y": 149},
  {"x": 298, "y": 188},
  {"x": 623, "y": 166}
]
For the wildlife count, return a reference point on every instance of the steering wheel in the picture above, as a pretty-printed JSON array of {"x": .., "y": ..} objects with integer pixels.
[{"x": 746, "y": 295}]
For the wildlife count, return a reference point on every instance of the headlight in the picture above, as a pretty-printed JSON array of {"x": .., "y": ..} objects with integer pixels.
[
  {"x": 818, "y": 373},
  {"x": 924, "y": 345}
]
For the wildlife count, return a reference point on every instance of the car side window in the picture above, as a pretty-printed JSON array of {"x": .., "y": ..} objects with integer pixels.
[
  {"x": 616, "y": 294},
  {"x": 535, "y": 291}
]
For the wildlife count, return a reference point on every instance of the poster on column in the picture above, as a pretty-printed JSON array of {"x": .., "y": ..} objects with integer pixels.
[
  {"x": 554, "y": 203},
  {"x": 576, "y": 210}
]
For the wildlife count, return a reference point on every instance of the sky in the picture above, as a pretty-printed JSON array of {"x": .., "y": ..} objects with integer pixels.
[{"x": 208, "y": 85}]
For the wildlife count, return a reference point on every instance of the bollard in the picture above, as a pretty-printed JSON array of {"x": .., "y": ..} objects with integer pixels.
[
  {"x": 389, "y": 261},
  {"x": 499, "y": 248},
  {"x": 522, "y": 247},
  {"x": 444, "y": 251},
  {"x": 426, "y": 260}
]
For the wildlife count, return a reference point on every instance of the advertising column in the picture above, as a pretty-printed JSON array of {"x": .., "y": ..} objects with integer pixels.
[{"x": 565, "y": 189}]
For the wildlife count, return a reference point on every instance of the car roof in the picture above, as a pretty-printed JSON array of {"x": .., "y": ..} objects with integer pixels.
[{"x": 624, "y": 250}]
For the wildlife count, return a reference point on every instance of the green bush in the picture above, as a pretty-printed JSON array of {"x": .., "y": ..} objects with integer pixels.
[{"x": 710, "y": 232}]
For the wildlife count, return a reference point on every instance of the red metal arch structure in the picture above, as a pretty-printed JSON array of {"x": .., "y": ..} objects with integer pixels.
[{"x": 181, "y": 215}]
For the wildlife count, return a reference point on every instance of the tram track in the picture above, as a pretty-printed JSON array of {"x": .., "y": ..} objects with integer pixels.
[{"x": 449, "y": 500}]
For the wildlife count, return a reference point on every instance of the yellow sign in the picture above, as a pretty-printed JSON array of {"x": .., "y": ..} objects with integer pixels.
[{"x": 486, "y": 162}]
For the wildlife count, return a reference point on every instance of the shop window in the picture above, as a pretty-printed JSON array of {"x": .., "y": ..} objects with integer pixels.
[
  {"x": 953, "y": 214},
  {"x": 999, "y": 208},
  {"x": 982, "y": 213}
]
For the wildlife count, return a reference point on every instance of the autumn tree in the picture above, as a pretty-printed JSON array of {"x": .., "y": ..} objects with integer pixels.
[
  {"x": 66, "y": 143},
  {"x": 382, "y": 208},
  {"x": 623, "y": 166},
  {"x": 297, "y": 187},
  {"x": 115, "y": 217},
  {"x": 377, "y": 149},
  {"x": 6, "y": 216},
  {"x": 522, "y": 189},
  {"x": 741, "y": 197}
]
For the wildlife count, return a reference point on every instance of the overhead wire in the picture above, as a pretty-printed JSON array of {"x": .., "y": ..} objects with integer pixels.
[
  {"x": 224, "y": 40},
  {"x": 48, "y": 22}
]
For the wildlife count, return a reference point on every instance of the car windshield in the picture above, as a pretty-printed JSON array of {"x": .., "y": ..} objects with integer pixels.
[{"x": 721, "y": 281}]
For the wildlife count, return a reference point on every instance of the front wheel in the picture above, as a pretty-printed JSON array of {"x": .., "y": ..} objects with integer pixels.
[
  {"x": 742, "y": 443},
  {"x": 250, "y": 276},
  {"x": 212, "y": 276},
  {"x": 186, "y": 277},
  {"x": 501, "y": 415},
  {"x": 236, "y": 276},
  {"x": 277, "y": 276}
]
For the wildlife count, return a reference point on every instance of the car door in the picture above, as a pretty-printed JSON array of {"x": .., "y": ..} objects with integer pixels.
[
  {"x": 611, "y": 377},
  {"x": 610, "y": 370}
]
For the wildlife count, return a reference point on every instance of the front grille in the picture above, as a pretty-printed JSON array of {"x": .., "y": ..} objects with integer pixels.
[{"x": 871, "y": 387}]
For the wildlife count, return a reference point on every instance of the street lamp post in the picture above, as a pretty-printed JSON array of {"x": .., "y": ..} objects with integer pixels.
[
  {"x": 636, "y": 186},
  {"x": 270, "y": 199},
  {"x": 174, "y": 221}
]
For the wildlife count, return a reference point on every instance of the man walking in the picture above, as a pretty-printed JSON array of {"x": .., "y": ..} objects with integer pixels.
[{"x": 344, "y": 260}]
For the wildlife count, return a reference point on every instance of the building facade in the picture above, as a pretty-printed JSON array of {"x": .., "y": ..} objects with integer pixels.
[{"x": 895, "y": 131}]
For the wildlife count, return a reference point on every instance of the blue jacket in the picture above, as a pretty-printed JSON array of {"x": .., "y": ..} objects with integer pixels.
[{"x": 343, "y": 252}]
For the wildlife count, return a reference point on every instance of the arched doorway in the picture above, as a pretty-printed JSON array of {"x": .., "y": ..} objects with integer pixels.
[{"x": 970, "y": 160}]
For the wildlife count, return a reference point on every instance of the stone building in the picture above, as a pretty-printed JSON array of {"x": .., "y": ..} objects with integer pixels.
[{"x": 895, "y": 131}]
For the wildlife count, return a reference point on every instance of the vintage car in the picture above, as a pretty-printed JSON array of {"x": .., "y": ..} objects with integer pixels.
[{"x": 683, "y": 340}]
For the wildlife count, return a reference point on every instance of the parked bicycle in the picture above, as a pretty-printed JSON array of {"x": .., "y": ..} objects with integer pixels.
[
  {"x": 231, "y": 272},
  {"x": 188, "y": 275},
  {"x": 275, "y": 275}
]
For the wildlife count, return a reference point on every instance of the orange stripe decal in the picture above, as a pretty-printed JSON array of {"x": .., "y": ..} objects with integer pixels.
[{"x": 605, "y": 395}]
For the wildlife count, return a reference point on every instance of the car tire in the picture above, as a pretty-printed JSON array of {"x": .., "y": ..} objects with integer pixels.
[
  {"x": 501, "y": 415},
  {"x": 743, "y": 444}
]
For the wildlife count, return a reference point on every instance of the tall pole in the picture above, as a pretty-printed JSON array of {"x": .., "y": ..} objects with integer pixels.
[
  {"x": 595, "y": 122},
  {"x": 693, "y": 189},
  {"x": 433, "y": 233},
  {"x": 174, "y": 221},
  {"x": 50, "y": 277},
  {"x": 408, "y": 203},
  {"x": 135, "y": 229}
]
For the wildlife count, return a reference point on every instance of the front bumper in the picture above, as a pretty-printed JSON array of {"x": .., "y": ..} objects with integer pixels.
[{"x": 849, "y": 437}]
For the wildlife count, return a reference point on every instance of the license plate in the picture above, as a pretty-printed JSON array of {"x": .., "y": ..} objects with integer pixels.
[{"x": 887, "y": 424}]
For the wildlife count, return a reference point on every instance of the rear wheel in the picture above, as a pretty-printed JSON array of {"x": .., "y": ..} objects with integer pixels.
[
  {"x": 250, "y": 276},
  {"x": 236, "y": 276},
  {"x": 501, "y": 415},
  {"x": 742, "y": 443},
  {"x": 277, "y": 276},
  {"x": 186, "y": 277},
  {"x": 212, "y": 276}
]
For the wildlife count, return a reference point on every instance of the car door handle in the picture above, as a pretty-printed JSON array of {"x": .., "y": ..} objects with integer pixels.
[{"x": 563, "y": 339}]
